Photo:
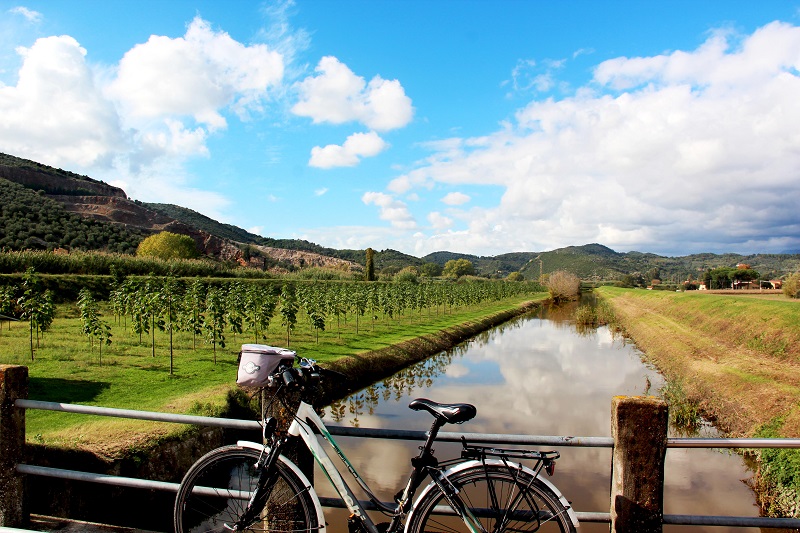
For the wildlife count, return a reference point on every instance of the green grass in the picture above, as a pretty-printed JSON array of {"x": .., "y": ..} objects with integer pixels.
[
  {"x": 736, "y": 358},
  {"x": 66, "y": 369}
]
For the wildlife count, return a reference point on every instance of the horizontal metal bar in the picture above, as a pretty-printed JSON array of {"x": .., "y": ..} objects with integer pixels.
[
  {"x": 733, "y": 443},
  {"x": 140, "y": 415},
  {"x": 477, "y": 438},
  {"x": 337, "y": 503},
  {"x": 104, "y": 479},
  {"x": 540, "y": 440},
  {"x": 734, "y": 521},
  {"x": 603, "y": 518},
  {"x": 687, "y": 520}
]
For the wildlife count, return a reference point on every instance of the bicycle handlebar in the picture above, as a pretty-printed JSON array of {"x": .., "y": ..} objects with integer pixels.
[{"x": 307, "y": 374}]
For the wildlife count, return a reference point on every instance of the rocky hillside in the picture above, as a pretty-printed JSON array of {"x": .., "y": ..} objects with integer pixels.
[{"x": 105, "y": 204}]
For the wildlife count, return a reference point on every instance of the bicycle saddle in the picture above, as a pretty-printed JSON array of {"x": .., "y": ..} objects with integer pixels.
[{"x": 453, "y": 413}]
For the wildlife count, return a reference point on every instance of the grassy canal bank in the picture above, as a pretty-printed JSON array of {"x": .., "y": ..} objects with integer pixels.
[
  {"x": 67, "y": 370},
  {"x": 737, "y": 359}
]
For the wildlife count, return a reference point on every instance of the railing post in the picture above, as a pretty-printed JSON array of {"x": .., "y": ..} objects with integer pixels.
[
  {"x": 13, "y": 385},
  {"x": 639, "y": 428}
]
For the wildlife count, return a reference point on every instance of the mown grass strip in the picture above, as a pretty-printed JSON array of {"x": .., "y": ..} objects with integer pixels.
[{"x": 737, "y": 358}]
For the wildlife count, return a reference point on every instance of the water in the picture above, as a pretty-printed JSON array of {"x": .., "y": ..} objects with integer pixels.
[{"x": 537, "y": 375}]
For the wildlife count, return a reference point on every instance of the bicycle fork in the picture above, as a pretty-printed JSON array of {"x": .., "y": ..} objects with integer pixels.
[{"x": 267, "y": 477}]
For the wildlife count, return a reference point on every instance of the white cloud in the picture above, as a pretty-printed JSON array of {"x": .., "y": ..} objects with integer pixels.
[
  {"x": 530, "y": 75},
  {"x": 455, "y": 198},
  {"x": 29, "y": 14},
  {"x": 395, "y": 211},
  {"x": 139, "y": 121},
  {"x": 439, "y": 221},
  {"x": 196, "y": 76},
  {"x": 337, "y": 95},
  {"x": 320, "y": 192},
  {"x": 56, "y": 113},
  {"x": 356, "y": 147},
  {"x": 687, "y": 151}
]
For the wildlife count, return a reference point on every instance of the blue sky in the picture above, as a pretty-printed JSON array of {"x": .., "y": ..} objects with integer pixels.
[{"x": 470, "y": 126}]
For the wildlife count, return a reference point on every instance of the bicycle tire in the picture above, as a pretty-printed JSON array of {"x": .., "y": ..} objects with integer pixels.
[
  {"x": 230, "y": 475},
  {"x": 529, "y": 498}
]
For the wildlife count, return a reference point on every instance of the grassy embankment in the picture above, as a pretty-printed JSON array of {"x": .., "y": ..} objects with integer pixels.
[
  {"x": 738, "y": 359},
  {"x": 67, "y": 370}
]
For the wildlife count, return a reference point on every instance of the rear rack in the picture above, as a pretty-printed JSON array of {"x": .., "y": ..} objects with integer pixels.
[{"x": 482, "y": 452}]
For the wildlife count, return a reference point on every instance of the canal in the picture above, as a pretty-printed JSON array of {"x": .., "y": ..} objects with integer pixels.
[{"x": 540, "y": 375}]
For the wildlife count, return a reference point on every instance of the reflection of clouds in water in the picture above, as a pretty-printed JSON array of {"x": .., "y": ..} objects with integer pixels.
[
  {"x": 539, "y": 377},
  {"x": 383, "y": 464},
  {"x": 683, "y": 483},
  {"x": 556, "y": 382},
  {"x": 457, "y": 370}
]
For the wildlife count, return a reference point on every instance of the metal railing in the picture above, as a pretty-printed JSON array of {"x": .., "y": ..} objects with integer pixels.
[{"x": 592, "y": 442}]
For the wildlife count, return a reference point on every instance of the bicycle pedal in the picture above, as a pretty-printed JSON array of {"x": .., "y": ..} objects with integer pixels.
[{"x": 354, "y": 524}]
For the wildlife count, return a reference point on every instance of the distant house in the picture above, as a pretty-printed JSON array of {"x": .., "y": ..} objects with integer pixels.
[{"x": 702, "y": 287}]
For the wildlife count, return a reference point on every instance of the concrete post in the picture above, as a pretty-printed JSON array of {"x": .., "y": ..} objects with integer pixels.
[
  {"x": 639, "y": 428},
  {"x": 13, "y": 385}
]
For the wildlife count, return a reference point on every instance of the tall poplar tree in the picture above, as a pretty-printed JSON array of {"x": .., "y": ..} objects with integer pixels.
[{"x": 370, "y": 274}]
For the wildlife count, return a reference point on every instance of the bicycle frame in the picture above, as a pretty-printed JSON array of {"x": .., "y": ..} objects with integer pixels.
[{"x": 301, "y": 428}]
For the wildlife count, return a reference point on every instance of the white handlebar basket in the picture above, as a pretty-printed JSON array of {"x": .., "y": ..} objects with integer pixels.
[{"x": 258, "y": 361}]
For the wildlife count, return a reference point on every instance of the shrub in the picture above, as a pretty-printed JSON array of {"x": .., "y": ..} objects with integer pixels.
[
  {"x": 563, "y": 286},
  {"x": 409, "y": 274},
  {"x": 455, "y": 268},
  {"x": 791, "y": 287},
  {"x": 167, "y": 245},
  {"x": 585, "y": 315}
]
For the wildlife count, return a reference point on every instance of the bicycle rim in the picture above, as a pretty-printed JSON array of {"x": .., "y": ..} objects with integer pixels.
[
  {"x": 501, "y": 499},
  {"x": 216, "y": 490}
]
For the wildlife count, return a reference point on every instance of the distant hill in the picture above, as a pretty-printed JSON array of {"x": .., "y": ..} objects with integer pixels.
[{"x": 44, "y": 207}]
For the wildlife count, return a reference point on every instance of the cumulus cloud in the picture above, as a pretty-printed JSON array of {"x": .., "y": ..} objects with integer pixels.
[
  {"x": 56, "y": 113},
  {"x": 356, "y": 147},
  {"x": 139, "y": 121},
  {"x": 455, "y": 198},
  {"x": 337, "y": 95},
  {"x": 439, "y": 221},
  {"x": 195, "y": 75},
  {"x": 391, "y": 209},
  {"x": 686, "y": 151}
]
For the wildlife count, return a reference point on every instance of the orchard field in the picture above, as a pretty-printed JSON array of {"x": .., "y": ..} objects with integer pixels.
[{"x": 171, "y": 344}]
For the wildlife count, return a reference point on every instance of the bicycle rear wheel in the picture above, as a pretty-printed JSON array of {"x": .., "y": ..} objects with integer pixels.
[
  {"x": 215, "y": 491},
  {"x": 501, "y": 499}
]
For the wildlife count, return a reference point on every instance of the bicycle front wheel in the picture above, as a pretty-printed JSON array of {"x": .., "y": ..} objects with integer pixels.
[
  {"x": 215, "y": 491},
  {"x": 501, "y": 499}
]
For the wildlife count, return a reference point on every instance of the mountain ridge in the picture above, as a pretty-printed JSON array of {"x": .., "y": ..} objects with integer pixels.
[{"x": 107, "y": 204}]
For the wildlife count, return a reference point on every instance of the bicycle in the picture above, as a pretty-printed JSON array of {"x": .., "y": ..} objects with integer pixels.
[{"x": 253, "y": 487}]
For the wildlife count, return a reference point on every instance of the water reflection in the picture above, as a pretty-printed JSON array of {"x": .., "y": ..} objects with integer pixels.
[{"x": 537, "y": 375}]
